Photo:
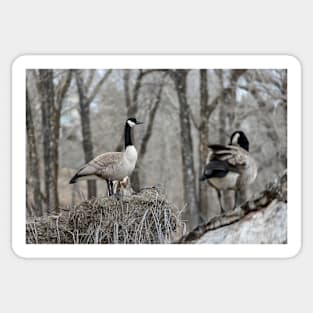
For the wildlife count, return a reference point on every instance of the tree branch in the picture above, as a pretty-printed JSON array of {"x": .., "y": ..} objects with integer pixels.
[
  {"x": 126, "y": 74},
  {"x": 80, "y": 86},
  {"x": 98, "y": 86},
  {"x": 89, "y": 80},
  {"x": 263, "y": 84},
  {"x": 151, "y": 118},
  {"x": 194, "y": 122},
  {"x": 62, "y": 88},
  {"x": 134, "y": 103}
]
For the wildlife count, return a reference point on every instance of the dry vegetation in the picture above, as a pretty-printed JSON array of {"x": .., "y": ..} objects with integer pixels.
[{"x": 146, "y": 217}]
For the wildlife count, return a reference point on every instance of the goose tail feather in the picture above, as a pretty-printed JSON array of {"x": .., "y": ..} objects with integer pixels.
[{"x": 74, "y": 179}]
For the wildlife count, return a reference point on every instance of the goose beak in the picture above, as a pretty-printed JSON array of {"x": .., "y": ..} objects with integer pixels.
[{"x": 138, "y": 123}]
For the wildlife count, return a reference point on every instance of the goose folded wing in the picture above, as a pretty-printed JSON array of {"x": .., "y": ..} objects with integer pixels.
[
  {"x": 234, "y": 156},
  {"x": 216, "y": 168},
  {"x": 101, "y": 163}
]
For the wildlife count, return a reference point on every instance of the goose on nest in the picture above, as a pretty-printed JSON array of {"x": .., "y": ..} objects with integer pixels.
[{"x": 111, "y": 166}]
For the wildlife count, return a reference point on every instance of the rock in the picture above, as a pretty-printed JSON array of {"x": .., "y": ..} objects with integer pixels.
[
  {"x": 260, "y": 220},
  {"x": 268, "y": 225}
]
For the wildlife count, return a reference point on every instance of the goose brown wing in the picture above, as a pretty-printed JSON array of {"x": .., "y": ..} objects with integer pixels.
[
  {"x": 234, "y": 156},
  {"x": 100, "y": 164}
]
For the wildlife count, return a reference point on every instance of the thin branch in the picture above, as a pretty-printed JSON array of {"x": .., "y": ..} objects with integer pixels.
[
  {"x": 136, "y": 89},
  {"x": 235, "y": 74},
  {"x": 62, "y": 88},
  {"x": 155, "y": 105},
  {"x": 98, "y": 86},
  {"x": 80, "y": 86},
  {"x": 260, "y": 78},
  {"x": 126, "y": 74},
  {"x": 89, "y": 80},
  {"x": 194, "y": 122}
]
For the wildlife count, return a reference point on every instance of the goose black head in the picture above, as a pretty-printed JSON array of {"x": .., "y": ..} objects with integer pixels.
[
  {"x": 133, "y": 122},
  {"x": 239, "y": 138}
]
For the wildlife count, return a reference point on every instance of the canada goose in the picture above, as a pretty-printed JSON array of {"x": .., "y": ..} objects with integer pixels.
[
  {"x": 111, "y": 165},
  {"x": 230, "y": 167}
]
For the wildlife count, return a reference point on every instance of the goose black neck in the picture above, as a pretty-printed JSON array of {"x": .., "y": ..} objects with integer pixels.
[{"x": 128, "y": 137}]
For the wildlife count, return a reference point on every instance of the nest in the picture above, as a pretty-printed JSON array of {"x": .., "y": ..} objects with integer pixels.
[{"x": 146, "y": 217}]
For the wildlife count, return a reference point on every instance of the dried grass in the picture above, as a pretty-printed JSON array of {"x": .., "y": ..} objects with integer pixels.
[{"x": 146, "y": 217}]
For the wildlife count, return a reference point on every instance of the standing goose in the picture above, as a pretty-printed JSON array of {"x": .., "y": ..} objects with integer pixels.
[
  {"x": 111, "y": 165},
  {"x": 230, "y": 167}
]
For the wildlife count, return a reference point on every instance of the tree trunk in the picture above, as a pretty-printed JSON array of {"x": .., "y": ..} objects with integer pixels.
[
  {"x": 132, "y": 109},
  {"x": 223, "y": 108},
  {"x": 231, "y": 99},
  {"x": 86, "y": 130},
  {"x": 33, "y": 160},
  {"x": 203, "y": 140},
  {"x": 126, "y": 77},
  {"x": 86, "y": 95},
  {"x": 146, "y": 137},
  {"x": 180, "y": 78},
  {"x": 128, "y": 104},
  {"x": 227, "y": 115},
  {"x": 60, "y": 92},
  {"x": 46, "y": 91},
  {"x": 131, "y": 103}
]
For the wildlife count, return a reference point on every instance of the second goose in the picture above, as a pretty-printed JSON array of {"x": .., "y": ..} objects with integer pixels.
[
  {"x": 111, "y": 166},
  {"x": 230, "y": 167}
]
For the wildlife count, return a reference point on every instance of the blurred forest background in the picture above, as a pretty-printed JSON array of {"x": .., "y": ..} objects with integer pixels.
[{"x": 74, "y": 115}]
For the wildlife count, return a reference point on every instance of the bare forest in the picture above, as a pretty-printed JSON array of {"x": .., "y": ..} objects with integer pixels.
[{"x": 75, "y": 115}]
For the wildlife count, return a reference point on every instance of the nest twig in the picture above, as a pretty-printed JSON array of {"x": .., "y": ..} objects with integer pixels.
[{"x": 146, "y": 217}]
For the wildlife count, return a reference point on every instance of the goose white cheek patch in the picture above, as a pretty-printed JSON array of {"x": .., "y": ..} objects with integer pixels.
[
  {"x": 131, "y": 124},
  {"x": 155, "y": 206},
  {"x": 235, "y": 139}
]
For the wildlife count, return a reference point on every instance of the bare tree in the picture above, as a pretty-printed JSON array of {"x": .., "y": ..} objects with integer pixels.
[
  {"x": 48, "y": 111},
  {"x": 151, "y": 118},
  {"x": 228, "y": 101},
  {"x": 206, "y": 110},
  {"x": 32, "y": 158},
  {"x": 189, "y": 177},
  {"x": 222, "y": 112},
  {"x": 231, "y": 98},
  {"x": 132, "y": 96},
  {"x": 61, "y": 88},
  {"x": 227, "y": 112},
  {"x": 203, "y": 138},
  {"x": 268, "y": 87},
  {"x": 86, "y": 95},
  {"x": 132, "y": 106},
  {"x": 148, "y": 132},
  {"x": 51, "y": 93},
  {"x": 180, "y": 80}
]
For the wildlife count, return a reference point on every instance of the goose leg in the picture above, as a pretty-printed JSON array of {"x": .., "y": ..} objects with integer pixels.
[
  {"x": 237, "y": 197},
  {"x": 220, "y": 200},
  {"x": 111, "y": 187}
]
